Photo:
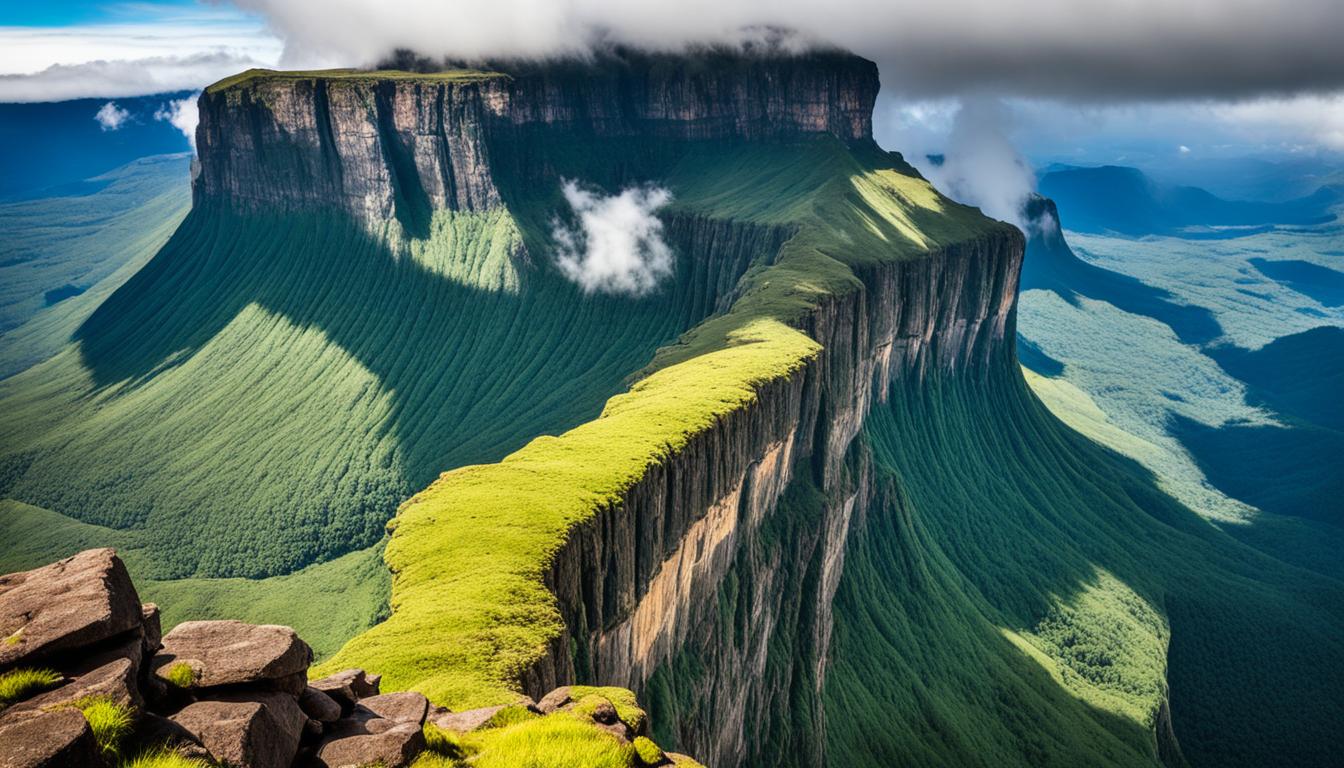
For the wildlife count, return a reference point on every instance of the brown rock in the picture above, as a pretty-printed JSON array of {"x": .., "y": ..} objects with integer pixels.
[
  {"x": 247, "y": 730},
  {"x": 60, "y": 739},
  {"x": 69, "y": 604},
  {"x": 605, "y": 712},
  {"x": 393, "y": 748},
  {"x": 319, "y": 705},
  {"x": 155, "y": 729},
  {"x": 369, "y": 687},
  {"x": 403, "y": 707},
  {"x": 152, "y": 626},
  {"x": 112, "y": 673},
  {"x": 555, "y": 700},
  {"x": 231, "y": 652},
  {"x": 469, "y": 720},
  {"x": 348, "y": 686}
]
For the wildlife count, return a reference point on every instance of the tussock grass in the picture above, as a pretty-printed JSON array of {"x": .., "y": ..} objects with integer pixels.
[
  {"x": 24, "y": 682},
  {"x": 162, "y": 758},
  {"x": 180, "y": 674},
  {"x": 110, "y": 722}
]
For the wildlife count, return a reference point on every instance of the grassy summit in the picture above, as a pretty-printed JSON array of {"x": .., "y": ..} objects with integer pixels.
[
  {"x": 469, "y": 611},
  {"x": 352, "y": 75}
]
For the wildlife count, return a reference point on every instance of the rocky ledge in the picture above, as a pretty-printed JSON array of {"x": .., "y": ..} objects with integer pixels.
[{"x": 87, "y": 680}]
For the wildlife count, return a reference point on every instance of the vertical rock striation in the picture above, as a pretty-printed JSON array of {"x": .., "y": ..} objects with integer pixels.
[{"x": 641, "y": 584}]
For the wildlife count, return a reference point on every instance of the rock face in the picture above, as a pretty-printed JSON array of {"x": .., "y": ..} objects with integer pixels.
[
  {"x": 213, "y": 653},
  {"x": 71, "y": 603},
  {"x": 385, "y": 150},
  {"x": 637, "y": 584},
  {"x": 690, "y": 523},
  {"x": 60, "y": 738},
  {"x": 237, "y": 707}
]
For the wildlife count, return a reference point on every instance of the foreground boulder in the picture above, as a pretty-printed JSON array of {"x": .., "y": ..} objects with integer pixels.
[
  {"x": 225, "y": 692},
  {"x": 205, "y": 654},
  {"x": 256, "y": 730},
  {"x": 395, "y": 747},
  {"x": 48, "y": 740},
  {"x": 70, "y": 604}
]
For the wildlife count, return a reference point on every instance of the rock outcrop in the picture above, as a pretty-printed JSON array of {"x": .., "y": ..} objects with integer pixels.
[
  {"x": 639, "y": 584},
  {"x": 93, "y": 690},
  {"x": 391, "y": 149}
]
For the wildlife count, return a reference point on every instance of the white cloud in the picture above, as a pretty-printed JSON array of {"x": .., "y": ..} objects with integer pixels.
[
  {"x": 172, "y": 49},
  {"x": 183, "y": 114},
  {"x": 1184, "y": 150},
  {"x": 123, "y": 78},
  {"x": 110, "y": 116},
  {"x": 1314, "y": 119},
  {"x": 1088, "y": 50},
  {"x": 617, "y": 246},
  {"x": 981, "y": 166}
]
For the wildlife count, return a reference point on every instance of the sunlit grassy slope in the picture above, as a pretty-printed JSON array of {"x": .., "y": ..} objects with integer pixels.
[
  {"x": 62, "y": 255},
  {"x": 469, "y": 610},
  {"x": 1012, "y": 599}
]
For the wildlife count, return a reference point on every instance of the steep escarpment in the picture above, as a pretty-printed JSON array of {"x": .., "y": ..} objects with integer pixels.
[
  {"x": 675, "y": 536},
  {"x": 798, "y": 498},
  {"x": 389, "y": 147}
]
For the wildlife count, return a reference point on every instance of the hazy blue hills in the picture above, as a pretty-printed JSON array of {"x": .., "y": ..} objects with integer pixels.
[
  {"x": 60, "y": 144},
  {"x": 64, "y": 252},
  {"x": 1290, "y": 468},
  {"x": 1127, "y": 201},
  {"x": 1051, "y": 265},
  {"x": 1323, "y": 284}
]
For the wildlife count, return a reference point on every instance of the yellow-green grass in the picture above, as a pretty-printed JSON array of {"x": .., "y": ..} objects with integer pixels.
[
  {"x": 469, "y": 610},
  {"x": 353, "y": 75},
  {"x": 326, "y": 603},
  {"x": 110, "y": 722},
  {"x": 564, "y": 738},
  {"x": 19, "y": 684},
  {"x": 162, "y": 758}
]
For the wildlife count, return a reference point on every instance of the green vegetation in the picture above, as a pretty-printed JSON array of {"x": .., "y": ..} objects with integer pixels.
[
  {"x": 110, "y": 722},
  {"x": 180, "y": 674},
  {"x": 566, "y": 738},
  {"x": 254, "y": 76},
  {"x": 326, "y": 603},
  {"x": 62, "y": 256},
  {"x": 1012, "y": 573},
  {"x": 162, "y": 758},
  {"x": 19, "y": 684},
  {"x": 469, "y": 610}
]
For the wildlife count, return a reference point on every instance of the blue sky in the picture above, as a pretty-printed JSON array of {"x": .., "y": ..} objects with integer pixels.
[{"x": 27, "y": 13}]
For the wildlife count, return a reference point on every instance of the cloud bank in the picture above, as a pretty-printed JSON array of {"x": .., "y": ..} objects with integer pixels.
[
  {"x": 1107, "y": 49},
  {"x": 981, "y": 166},
  {"x": 122, "y": 78},
  {"x": 616, "y": 243}
]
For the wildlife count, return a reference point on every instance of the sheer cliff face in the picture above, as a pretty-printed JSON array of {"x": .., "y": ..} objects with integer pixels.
[
  {"x": 709, "y": 522},
  {"x": 378, "y": 148},
  {"x": 702, "y": 558}
]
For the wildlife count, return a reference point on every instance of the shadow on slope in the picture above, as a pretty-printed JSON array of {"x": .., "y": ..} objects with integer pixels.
[
  {"x": 1051, "y": 265},
  {"x": 994, "y": 521},
  {"x": 1320, "y": 283},
  {"x": 1288, "y": 470},
  {"x": 269, "y": 389}
]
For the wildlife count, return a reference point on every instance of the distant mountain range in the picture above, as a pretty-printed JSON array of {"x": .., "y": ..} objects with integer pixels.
[
  {"x": 1127, "y": 201},
  {"x": 53, "y": 144}
]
